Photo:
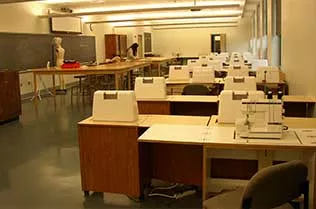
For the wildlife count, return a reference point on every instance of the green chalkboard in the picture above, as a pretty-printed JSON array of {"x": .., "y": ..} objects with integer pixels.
[{"x": 20, "y": 51}]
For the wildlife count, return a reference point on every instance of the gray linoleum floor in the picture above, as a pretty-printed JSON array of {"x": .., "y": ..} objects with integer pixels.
[{"x": 39, "y": 166}]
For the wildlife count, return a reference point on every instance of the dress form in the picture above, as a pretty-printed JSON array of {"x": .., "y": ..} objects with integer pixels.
[{"x": 60, "y": 53}]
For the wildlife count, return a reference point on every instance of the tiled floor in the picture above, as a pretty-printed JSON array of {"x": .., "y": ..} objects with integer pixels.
[{"x": 39, "y": 164}]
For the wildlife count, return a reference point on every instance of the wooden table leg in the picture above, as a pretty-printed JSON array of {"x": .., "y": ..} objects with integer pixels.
[
  {"x": 35, "y": 86},
  {"x": 312, "y": 181},
  {"x": 129, "y": 80},
  {"x": 204, "y": 174},
  {"x": 117, "y": 87},
  {"x": 54, "y": 85},
  {"x": 159, "y": 73}
]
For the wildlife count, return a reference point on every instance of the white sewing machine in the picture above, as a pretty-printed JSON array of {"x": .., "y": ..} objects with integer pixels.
[
  {"x": 268, "y": 74},
  {"x": 114, "y": 106},
  {"x": 230, "y": 104},
  {"x": 179, "y": 72},
  {"x": 261, "y": 118},
  {"x": 238, "y": 71},
  {"x": 203, "y": 75},
  {"x": 239, "y": 83},
  {"x": 150, "y": 88}
]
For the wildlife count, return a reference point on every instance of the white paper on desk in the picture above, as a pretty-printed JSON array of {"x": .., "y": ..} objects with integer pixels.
[
  {"x": 222, "y": 135},
  {"x": 175, "y": 133},
  {"x": 288, "y": 138},
  {"x": 307, "y": 136}
]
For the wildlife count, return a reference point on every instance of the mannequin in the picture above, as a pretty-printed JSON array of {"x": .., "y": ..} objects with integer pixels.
[{"x": 60, "y": 53}]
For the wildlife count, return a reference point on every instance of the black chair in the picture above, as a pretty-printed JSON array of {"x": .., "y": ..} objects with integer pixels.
[
  {"x": 272, "y": 187},
  {"x": 195, "y": 89}
]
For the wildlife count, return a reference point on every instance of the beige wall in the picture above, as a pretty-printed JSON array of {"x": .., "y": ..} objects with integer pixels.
[
  {"x": 132, "y": 34},
  {"x": 192, "y": 42},
  {"x": 21, "y": 17},
  {"x": 298, "y": 45},
  {"x": 98, "y": 31}
]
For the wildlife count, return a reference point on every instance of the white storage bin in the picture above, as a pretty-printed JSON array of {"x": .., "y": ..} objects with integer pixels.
[
  {"x": 229, "y": 107},
  {"x": 179, "y": 72},
  {"x": 247, "y": 83},
  {"x": 268, "y": 75},
  {"x": 150, "y": 88},
  {"x": 114, "y": 106},
  {"x": 203, "y": 75}
]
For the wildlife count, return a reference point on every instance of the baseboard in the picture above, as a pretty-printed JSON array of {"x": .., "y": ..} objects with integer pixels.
[{"x": 44, "y": 93}]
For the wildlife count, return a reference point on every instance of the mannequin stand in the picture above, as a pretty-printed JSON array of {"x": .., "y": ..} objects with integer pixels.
[{"x": 38, "y": 93}]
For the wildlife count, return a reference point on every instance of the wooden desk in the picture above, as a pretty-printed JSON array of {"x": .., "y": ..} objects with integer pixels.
[
  {"x": 112, "y": 160},
  {"x": 175, "y": 87},
  {"x": 180, "y": 105},
  {"x": 115, "y": 68},
  {"x": 299, "y": 106},
  {"x": 294, "y": 106},
  {"x": 222, "y": 137},
  {"x": 158, "y": 61}
]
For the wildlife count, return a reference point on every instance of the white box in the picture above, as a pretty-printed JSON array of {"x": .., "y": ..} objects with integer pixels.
[
  {"x": 238, "y": 71},
  {"x": 114, "y": 106},
  {"x": 193, "y": 62},
  {"x": 268, "y": 75},
  {"x": 179, "y": 72},
  {"x": 246, "y": 83},
  {"x": 150, "y": 88},
  {"x": 217, "y": 64},
  {"x": 255, "y": 63},
  {"x": 203, "y": 75},
  {"x": 229, "y": 107}
]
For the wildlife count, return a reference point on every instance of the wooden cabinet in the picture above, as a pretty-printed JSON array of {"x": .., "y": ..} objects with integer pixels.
[
  {"x": 10, "y": 99},
  {"x": 109, "y": 159},
  {"x": 115, "y": 45}
]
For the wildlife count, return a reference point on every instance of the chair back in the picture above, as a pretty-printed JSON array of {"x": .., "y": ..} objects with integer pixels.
[
  {"x": 275, "y": 185},
  {"x": 195, "y": 89}
]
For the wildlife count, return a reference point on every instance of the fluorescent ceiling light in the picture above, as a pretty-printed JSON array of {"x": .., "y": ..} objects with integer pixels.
[
  {"x": 64, "y": 1},
  {"x": 195, "y": 26},
  {"x": 181, "y": 21},
  {"x": 219, "y": 5},
  {"x": 175, "y": 14},
  {"x": 170, "y": 24},
  {"x": 93, "y": 21}
]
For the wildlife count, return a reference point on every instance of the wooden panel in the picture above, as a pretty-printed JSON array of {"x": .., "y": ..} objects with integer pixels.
[
  {"x": 10, "y": 101},
  {"x": 111, "y": 46},
  {"x": 194, "y": 108},
  {"x": 109, "y": 159},
  {"x": 154, "y": 107},
  {"x": 177, "y": 163},
  {"x": 233, "y": 168},
  {"x": 298, "y": 109},
  {"x": 123, "y": 45}
]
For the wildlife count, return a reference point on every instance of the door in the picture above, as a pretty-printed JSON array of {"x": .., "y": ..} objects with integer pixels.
[
  {"x": 123, "y": 46},
  {"x": 218, "y": 43},
  {"x": 140, "y": 52},
  {"x": 223, "y": 42}
]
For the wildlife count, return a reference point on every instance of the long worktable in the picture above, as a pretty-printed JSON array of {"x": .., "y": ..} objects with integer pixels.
[
  {"x": 158, "y": 61},
  {"x": 121, "y": 157},
  {"x": 117, "y": 69},
  {"x": 294, "y": 106}
]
